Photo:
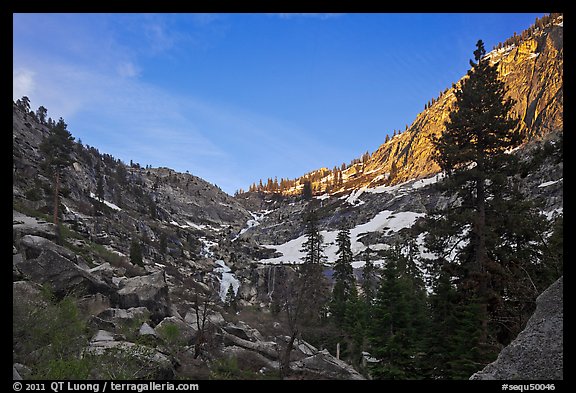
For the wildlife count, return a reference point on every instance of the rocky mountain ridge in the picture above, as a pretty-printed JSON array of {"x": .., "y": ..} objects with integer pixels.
[{"x": 533, "y": 74}]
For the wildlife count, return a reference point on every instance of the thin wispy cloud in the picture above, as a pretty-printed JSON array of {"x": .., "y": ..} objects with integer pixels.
[
  {"x": 131, "y": 119},
  {"x": 167, "y": 35},
  {"x": 23, "y": 82},
  {"x": 158, "y": 35},
  {"x": 204, "y": 19},
  {"x": 127, "y": 69}
]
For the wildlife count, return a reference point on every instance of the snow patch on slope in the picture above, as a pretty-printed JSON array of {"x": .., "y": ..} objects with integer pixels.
[
  {"x": 385, "y": 220},
  {"x": 195, "y": 226},
  {"x": 109, "y": 204},
  {"x": 255, "y": 221},
  {"x": 549, "y": 183},
  {"x": 399, "y": 189}
]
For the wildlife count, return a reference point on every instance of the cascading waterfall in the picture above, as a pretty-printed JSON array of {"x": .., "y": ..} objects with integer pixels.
[
  {"x": 271, "y": 281},
  {"x": 228, "y": 278}
]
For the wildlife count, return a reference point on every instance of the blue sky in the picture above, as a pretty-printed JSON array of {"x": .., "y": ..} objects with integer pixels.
[{"x": 234, "y": 98}]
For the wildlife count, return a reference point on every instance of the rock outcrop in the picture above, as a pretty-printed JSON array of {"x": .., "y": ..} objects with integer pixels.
[
  {"x": 538, "y": 351},
  {"x": 27, "y": 293},
  {"x": 187, "y": 331},
  {"x": 45, "y": 262},
  {"x": 243, "y": 341},
  {"x": 135, "y": 361},
  {"x": 326, "y": 366},
  {"x": 149, "y": 291},
  {"x": 24, "y": 225}
]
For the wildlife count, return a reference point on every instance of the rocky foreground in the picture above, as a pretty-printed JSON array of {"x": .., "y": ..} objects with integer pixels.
[{"x": 136, "y": 318}]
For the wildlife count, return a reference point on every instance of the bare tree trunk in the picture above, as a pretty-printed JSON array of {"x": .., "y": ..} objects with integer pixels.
[
  {"x": 482, "y": 256},
  {"x": 56, "y": 203},
  {"x": 201, "y": 325},
  {"x": 285, "y": 362}
]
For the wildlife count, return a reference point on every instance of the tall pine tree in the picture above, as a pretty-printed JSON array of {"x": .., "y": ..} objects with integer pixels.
[
  {"x": 312, "y": 282},
  {"x": 307, "y": 190},
  {"x": 57, "y": 149},
  {"x": 363, "y": 306},
  {"x": 230, "y": 299},
  {"x": 369, "y": 279},
  {"x": 490, "y": 247},
  {"x": 344, "y": 289},
  {"x": 136, "y": 252},
  {"x": 472, "y": 152}
]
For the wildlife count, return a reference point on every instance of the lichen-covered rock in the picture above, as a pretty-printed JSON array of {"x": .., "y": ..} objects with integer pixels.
[
  {"x": 32, "y": 246},
  {"x": 93, "y": 304},
  {"x": 213, "y": 318},
  {"x": 266, "y": 348},
  {"x": 146, "y": 330},
  {"x": 118, "y": 316},
  {"x": 15, "y": 374},
  {"x": 242, "y": 330},
  {"x": 26, "y": 293},
  {"x": 538, "y": 351}
]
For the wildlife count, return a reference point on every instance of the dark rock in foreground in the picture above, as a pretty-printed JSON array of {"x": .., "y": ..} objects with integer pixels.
[{"x": 538, "y": 351}]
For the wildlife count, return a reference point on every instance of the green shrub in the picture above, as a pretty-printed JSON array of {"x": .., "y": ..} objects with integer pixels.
[
  {"x": 126, "y": 363},
  {"x": 226, "y": 368},
  {"x": 58, "y": 369},
  {"x": 33, "y": 194},
  {"x": 50, "y": 339},
  {"x": 229, "y": 368}
]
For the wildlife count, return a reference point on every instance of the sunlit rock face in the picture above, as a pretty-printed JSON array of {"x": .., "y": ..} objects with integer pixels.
[{"x": 533, "y": 73}]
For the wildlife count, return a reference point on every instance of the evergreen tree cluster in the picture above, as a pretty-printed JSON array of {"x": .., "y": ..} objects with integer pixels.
[
  {"x": 394, "y": 133},
  {"x": 538, "y": 25},
  {"x": 334, "y": 176},
  {"x": 435, "y": 333},
  {"x": 436, "y": 99},
  {"x": 488, "y": 256},
  {"x": 40, "y": 115}
]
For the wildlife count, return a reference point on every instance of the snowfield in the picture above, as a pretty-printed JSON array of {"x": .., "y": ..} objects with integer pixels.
[
  {"x": 195, "y": 226},
  {"x": 353, "y": 198},
  {"x": 384, "y": 221}
]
